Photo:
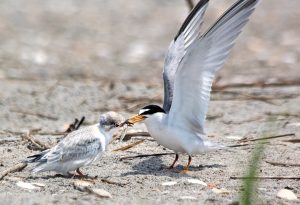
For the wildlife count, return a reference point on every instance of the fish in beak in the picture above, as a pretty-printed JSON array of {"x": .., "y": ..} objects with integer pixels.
[{"x": 129, "y": 122}]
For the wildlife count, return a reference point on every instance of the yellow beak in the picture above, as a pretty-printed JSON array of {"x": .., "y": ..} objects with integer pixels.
[{"x": 135, "y": 118}]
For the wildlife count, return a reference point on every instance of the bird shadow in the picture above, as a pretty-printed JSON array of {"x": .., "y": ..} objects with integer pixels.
[
  {"x": 57, "y": 176},
  {"x": 154, "y": 166}
]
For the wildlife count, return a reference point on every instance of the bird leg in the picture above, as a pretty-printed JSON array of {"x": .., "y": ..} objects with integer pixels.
[
  {"x": 80, "y": 173},
  {"x": 186, "y": 168},
  {"x": 176, "y": 158}
]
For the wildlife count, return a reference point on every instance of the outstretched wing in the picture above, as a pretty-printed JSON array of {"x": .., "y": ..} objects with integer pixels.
[
  {"x": 197, "y": 69},
  {"x": 187, "y": 34}
]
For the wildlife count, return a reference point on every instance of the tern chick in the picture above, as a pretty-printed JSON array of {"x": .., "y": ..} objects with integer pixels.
[
  {"x": 191, "y": 63},
  {"x": 79, "y": 148}
]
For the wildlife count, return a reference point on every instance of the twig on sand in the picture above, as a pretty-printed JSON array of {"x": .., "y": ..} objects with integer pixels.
[
  {"x": 253, "y": 119},
  {"x": 263, "y": 83},
  {"x": 75, "y": 125},
  {"x": 128, "y": 136},
  {"x": 97, "y": 192},
  {"x": 16, "y": 168},
  {"x": 239, "y": 96},
  {"x": 265, "y": 138},
  {"x": 190, "y": 4},
  {"x": 145, "y": 155},
  {"x": 112, "y": 182},
  {"x": 40, "y": 115},
  {"x": 283, "y": 164},
  {"x": 266, "y": 177},
  {"x": 130, "y": 99},
  {"x": 129, "y": 146},
  {"x": 137, "y": 134},
  {"x": 292, "y": 140},
  {"x": 36, "y": 132},
  {"x": 39, "y": 145},
  {"x": 239, "y": 145},
  {"x": 284, "y": 114}
]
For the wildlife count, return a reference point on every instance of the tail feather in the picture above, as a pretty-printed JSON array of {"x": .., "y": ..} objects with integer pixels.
[
  {"x": 39, "y": 167},
  {"x": 212, "y": 146},
  {"x": 36, "y": 158}
]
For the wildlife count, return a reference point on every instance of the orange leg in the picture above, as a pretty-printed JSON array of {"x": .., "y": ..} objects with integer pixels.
[
  {"x": 186, "y": 168},
  {"x": 176, "y": 158}
]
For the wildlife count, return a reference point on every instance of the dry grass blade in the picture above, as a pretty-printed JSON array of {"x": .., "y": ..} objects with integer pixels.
[
  {"x": 266, "y": 177},
  {"x": 145, "y": 155},
  {"x": 238, "y": 145},
  {"x": 292, "y": 140},
  {"x": 284, "y": 114},
  {"x": 112, "y": 182},
  {"x": 39, "y": 145},
  {"x": 283, "y": 164},
  {"x": 278, "y": 83},
  {"x": 137, "y": 134},
  {"x": 238, "y": 96},
  {"x": 129, "y": 146},
  {"x": 36, "y": 132},
  {"x": 40, "y": 115},
  {"x": 128, "y": 136},
  {"x": 75, "y": 125},
  {"x": 129, "y": 99},
  {"x": 16, "y": 168},
  {"x": 271, "y": 137}
]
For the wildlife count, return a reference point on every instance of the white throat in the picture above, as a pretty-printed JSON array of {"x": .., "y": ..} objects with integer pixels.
[
  {"x": 155, "y": 122},
  {"x": 108, "y": 135}
]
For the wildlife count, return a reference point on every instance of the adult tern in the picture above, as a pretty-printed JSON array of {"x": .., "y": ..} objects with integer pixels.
[
  {"x": 191, "y": 62},
  {"x": 79, "y": 148}
]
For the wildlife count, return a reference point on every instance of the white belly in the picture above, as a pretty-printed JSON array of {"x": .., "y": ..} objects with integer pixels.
[{"x": 176, "y": 139}]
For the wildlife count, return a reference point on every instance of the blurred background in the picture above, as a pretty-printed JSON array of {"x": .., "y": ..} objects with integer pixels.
[{"x": 98, "y": 39}]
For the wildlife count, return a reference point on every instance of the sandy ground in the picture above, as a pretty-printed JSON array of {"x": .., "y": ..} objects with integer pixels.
[{"x": 61, "y": 60}]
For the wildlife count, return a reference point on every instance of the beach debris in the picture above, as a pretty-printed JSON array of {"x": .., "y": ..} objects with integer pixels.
[
  {"x": 287, "y": 164},
  {"x": 220, "y": 191},
  {"x": 196, "y": 181},
  {"x": 144, "y": 155},
  {"x": 82, "y": 184},
  {"x": 16, "y": 168},
  {"x": 129, "y": 146},
  {"x": 266, "y": 177},
  {"x": 294, "y": 124},
  {"x": 286, "y": 194},
  {"x": 99, "y": 193},
  {"x": 113, "y": 182},
  {"x": 38, "y": 184},
  {"x": 86, "y": 186},
  {"x": 170, "y": 183},
  {"x": 211, "y": 185},
  {"x": 188, "y": 198},
  {"x": 135, "y": 133},
  {"x": 233, "y": 137},
  {"x": 75, "y": 125},
  {"x": 30, "y": 186}
]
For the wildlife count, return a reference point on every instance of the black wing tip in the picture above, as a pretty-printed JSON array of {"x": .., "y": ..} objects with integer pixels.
[
  {"x": 198, "y": 6},
  {"x": 246, "y": 3}
]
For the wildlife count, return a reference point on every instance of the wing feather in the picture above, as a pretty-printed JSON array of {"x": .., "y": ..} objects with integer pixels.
[
  {"x": 187, "y": 34},
  {"x": 197, "y": 69},
  {"x": 83, "y": 144}
]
